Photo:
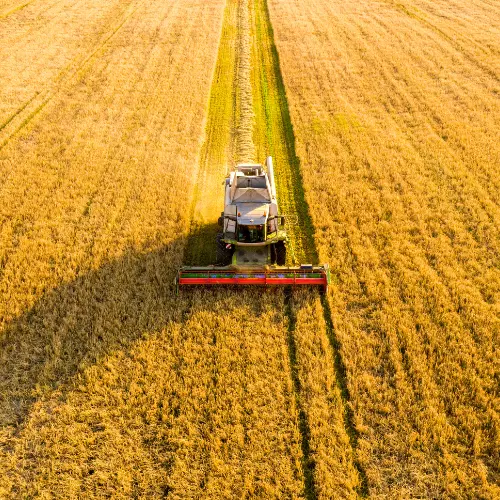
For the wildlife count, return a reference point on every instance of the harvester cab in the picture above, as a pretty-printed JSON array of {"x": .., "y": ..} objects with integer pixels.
[
  {"x": 252, "y": 232},
  {"x": 252, "y": 242}
]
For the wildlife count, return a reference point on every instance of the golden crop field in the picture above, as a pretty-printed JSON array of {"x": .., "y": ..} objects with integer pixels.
[
  {"x": 118, "y": 123},
  {"x": 396, "y": 111}
]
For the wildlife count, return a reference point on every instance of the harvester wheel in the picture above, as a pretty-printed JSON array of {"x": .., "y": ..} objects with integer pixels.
[
  {"x": 273, "y": 254},
  {"x": 224, "y": 255},
  {"x": 280, "y": 253}
]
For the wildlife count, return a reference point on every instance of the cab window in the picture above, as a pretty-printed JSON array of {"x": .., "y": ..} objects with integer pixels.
[{"x": 251, "y": 234}]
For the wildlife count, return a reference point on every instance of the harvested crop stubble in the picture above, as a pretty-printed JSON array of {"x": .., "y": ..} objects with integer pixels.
[
  {"x": 395, "y": 118},
  {"x": 226, "y": 136},
  {"x": 273, "y": 135}
]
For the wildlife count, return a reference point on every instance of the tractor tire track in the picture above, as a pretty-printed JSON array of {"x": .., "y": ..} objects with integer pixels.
[
  {"x": 273, "y": 121},
  {"x": 16, "y": 9},
  {"x": 74, "y": 70}
]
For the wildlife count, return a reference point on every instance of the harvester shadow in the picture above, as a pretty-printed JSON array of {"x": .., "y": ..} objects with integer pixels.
[
  {"x": 200, "y": 247},
  {"x": 75, "y": 325}
]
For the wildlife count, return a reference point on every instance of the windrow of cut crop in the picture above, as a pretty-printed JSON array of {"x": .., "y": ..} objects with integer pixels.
[{"x": 245, "y": 151}]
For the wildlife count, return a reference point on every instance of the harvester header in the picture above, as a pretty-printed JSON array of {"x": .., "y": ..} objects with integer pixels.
[{"x": 252, "y": 242}]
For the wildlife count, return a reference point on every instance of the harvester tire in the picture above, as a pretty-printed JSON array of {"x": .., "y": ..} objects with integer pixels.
[
  {"x": 273, "y": 254},
  {"x": 224, "y": 255},
  {"x": 280, "y": 253}
]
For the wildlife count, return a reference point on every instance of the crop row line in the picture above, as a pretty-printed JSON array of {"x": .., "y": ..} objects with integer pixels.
[
  {"x": 454, "y": 41},
  {"x": 25, "y": 113},
  {"x": 16, "y": 9}
]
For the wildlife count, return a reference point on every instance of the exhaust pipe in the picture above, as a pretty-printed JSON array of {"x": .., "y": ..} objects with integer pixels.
[{"x": 270, "y": 174}]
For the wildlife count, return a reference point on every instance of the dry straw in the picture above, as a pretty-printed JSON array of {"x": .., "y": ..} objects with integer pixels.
[{"x": 245, "y": 116}]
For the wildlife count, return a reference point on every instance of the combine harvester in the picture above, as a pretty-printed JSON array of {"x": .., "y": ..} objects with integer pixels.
[{"x": 251, "y": 247}]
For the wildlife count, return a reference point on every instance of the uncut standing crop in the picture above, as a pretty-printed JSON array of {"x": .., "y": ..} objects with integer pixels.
[{"x": 394, "y": 109}]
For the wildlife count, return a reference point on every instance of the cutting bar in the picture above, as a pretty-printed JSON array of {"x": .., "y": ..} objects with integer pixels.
[{"x": 304, "y": 275}]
